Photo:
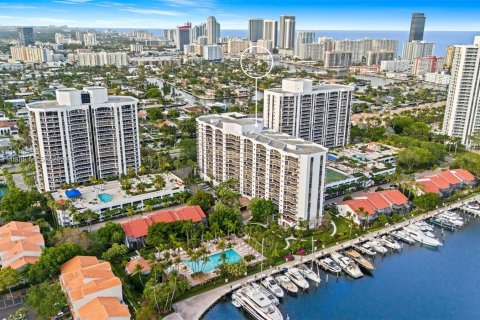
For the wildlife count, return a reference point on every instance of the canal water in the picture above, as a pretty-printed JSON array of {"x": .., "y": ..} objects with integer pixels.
[{"x": 417, "y": 283}]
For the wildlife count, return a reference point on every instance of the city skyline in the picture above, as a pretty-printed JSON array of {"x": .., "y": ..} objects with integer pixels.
[{"x": 234, "y": 15}]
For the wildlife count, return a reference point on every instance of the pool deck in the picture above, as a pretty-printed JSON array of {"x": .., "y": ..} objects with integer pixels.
[{"x": 195, "y": 307}]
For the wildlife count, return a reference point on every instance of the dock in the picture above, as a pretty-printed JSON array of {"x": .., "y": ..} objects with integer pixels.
[{"x": 195, "y": 307}]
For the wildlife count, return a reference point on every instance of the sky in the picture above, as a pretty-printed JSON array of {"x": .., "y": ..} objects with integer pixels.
[{"x": 451, "y": 15}]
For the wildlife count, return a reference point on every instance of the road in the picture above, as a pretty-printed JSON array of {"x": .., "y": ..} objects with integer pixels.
[
  {"x": 360, "y": 117},
  {"x": 196, "y": 306}
]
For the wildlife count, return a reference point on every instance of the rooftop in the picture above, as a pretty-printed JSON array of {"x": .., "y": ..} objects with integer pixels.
[
  {"x": 436, "y": 182},
  {"x": 138, "y": 228},
  {"x": 371, "y": 202}
]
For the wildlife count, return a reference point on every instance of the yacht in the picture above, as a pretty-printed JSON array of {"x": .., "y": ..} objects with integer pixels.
[
  {"x": 452, "y": 217},
  {"x": 443, "y": 223},
  {"x": 421, "y": 237},
  {"x": 389, "y": 242},
  {"x": 256, "y": 303},
  {"x": 403, "y": 236},
  {"x": 267, "y": 293},
  {"x": 368, "y": 246},
  {"x": 347, "y": 265},
  {"x": 329, "y": 265},
  {"x": 426, "y": 232},
  {"x": 424, "y": 226},
  {"x": 308, "y": 273},
  {"x": 272, "y": 286},
  {"x": 360, "y": 260},
  {"x": 286, "y": 284},
  {"x": 472, "y": 207},
  {"x": 365, "y": 250},
  {"x": 378, "y": 247},
  {"x": 297, "y": 278}
]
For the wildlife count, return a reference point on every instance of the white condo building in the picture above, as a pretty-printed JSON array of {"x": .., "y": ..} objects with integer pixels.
[
  {"x": 264, "y": 163},
  {"x": 417, "y": 49},
  {"x": 84, "y": 133},
  {"x": 119, "y": 59},
  {"x": 462, "y": 114},
  {"x": 319, "y": 113},
  {"x": 270, "y": 31}
]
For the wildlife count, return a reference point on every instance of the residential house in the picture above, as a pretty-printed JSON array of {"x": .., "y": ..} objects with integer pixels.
[{"x": 446, "y": 182}]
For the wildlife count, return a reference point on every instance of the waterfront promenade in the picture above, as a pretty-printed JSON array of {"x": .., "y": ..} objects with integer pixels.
[{"x": 196, "y": 306}]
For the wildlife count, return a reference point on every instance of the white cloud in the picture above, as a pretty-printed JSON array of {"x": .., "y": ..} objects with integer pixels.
[
  {"x": 15, "y": 6},
  {"x": 154, "y": 12},
  {"x": 189, "y": 3},
  {"x": 72, "y": 1}
]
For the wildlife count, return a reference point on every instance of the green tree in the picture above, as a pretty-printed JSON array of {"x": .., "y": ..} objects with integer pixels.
[
  {"x": 427, "y": 201},
  {"x": 154, "y": 114},
  {"x": 106, "y": 236},
  {"x": 261, "y": 209},
  {"x": 224, "y": 216},
  {"x": 202, "y": 198},
  {"x": 46, "y": 298},
  {"x": 116, "y": 253},
  {"x": 8, "y": 278}
]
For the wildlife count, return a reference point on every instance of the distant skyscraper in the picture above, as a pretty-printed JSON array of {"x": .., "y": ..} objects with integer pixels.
[
  {"x": 287, "y": 32},
  {"x": 270, "y": 31},
  {"x": 417, "y": 27},
  {"x": 255, "y": 29},
  {"x": 416, "y": 49},
  {"x": 212, "y": 32},
  {"x": 462, "y": 114},
  {"x": 303, "y": 37},
  {"x": 183, "y": 37},
  {"x": 25, "y": 36}
]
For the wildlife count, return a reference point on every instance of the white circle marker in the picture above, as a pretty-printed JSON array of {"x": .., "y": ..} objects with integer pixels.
[{"x": 249, "y": 53}]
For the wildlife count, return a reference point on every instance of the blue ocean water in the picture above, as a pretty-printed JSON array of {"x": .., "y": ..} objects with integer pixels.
[
  {"x": 442, "y": 39},
  {"x": 418, "y": 283}
]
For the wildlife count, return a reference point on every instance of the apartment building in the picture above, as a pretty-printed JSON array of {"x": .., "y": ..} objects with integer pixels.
[
  {"x": 375, "y": 58},
  {"x": 212, "y": 52},
  {"x": 31, "y": 54},
  {"x": 338, "y": 59},
  {"x": 270, "y": 31},
  {"x": 266, "y": 164},
  {"x": 255, "y": 29},
  {"x": 92, "y": 289},
  {"x": 90, "y": 39},
  {"x": 360, "y": 48},
  {"x": 21, "y": 244},
  {"x": 84, "y": 133},
  {"x": 462, "y": 114},
  {"x": 119, "y": 59},
  {"x": 423, "y": 65},
  {"x": 317, "y": 113},
  {"x": 395, "y": 65},
  {"x": 415, "y": 49},
  {"x": 287, "y": 32},
  {"x": 237, "y": 46}
]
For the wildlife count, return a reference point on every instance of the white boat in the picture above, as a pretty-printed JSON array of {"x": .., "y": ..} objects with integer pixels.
[
  {"x": 360, "y": 260},
  {"x": 235, "y": 302},
  {"x": 368, "y": 246},
  {"x": 426, "y": 232},
  {"x": 443, "y": 223},
  {"x": 286, "y": 284},
  {"x": 389, "y": 242},
  {"x": 347, "y": 265},
  {"x": 377, "y": 246},
  {"x": 364, "y": 250},
  {"x": 424, "y": 226},
  {"x": 329, "y": 265},
  {"x": 308, "y": 273},
  {"x": 452, "y": 217},
  {"x": 267, "y": 293},
  {"x": 297, "y": 278},
  {"x": 272, "y": 286},
  {"x": 257, "y": 304},
  {"x": 419, "y": 236},
  {"x": 473, "y": 207},
  {"x": 403, "y": 236}
]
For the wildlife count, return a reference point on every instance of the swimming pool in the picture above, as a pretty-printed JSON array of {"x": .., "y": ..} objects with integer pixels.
[
  {"x": 213, "y": 261},
  {"x": 105, "y": 197}
]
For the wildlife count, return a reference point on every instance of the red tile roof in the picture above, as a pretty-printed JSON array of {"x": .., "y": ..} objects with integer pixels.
[
  {"x": 139, "y": 227},
  {"x": 371, "y": 202},
  {"x": 436, "y": 182}
]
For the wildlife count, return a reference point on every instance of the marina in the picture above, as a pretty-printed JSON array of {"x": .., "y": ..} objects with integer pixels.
[{"x": 337, "y": 253}]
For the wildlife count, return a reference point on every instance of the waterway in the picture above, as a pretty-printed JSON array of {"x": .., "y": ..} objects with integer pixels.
[{"x": 417, "y": 283}]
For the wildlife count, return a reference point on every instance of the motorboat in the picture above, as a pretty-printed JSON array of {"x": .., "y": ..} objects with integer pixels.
[
  {"x": 364, "y": 250},
  {"x": 235, "y": 302},
  {"x": 389, "y": 242},
  {"x": 256, "y": 303},
  {"x": 402, "y": 236},
  {"x": 308, "y": 273},
  {"x": 360, "y": 260},
  {"x": 347, "y": 265},
  {"x": 267, "y": 293},
  {"x": 286, "y": 284},
  {"x": 368, "y": 246},
  {"x": 297, "y": 278},
  {"x": 426, "y": 232},
  {"x": 378, "y": 247},
  {"x": 273, "y": 286},
  {"x": 443, "y": 223},
  {"x": 329, "y": 265},
  {"x": 424, "y": 226},
  {"x": 473, "y": 207},
  {"x": 452, "y": 217},
  {"x": 419, "y": 236}
]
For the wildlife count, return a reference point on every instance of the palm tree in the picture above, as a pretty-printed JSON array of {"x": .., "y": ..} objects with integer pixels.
[
  {"x": 138, "y": 270},
  {"x": 363, "y": 214},
  {"x": 130, "y": 212}
]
